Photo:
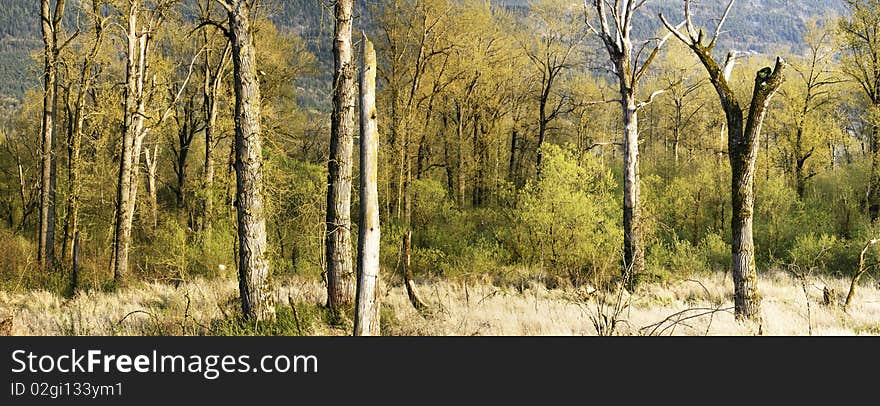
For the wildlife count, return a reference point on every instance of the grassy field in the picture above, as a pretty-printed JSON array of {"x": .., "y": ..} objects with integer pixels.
[{"x": 699, "y": 306}]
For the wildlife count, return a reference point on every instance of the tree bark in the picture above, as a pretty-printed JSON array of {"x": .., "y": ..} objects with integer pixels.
[
  {"x": 340, "y": 275},
  {"x": 253, "y": 266},
  {"x": 633, "y": 249},
  {"x": 618, "y": 43},
  {"x": 50, "y": 25},
  {"x": 366, "y": 320},
  {"x": 122, "y": 232}
]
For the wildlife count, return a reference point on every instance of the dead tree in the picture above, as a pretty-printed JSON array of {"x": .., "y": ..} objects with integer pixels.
[
  {"x": 616, "y": 34},
  {"x": 340, "y": 275},
  {"x": 743, "y": 135},
  {"x": 366, "y": 321},
  {"x": 52, "y": 30},
  {"x": 253, "y": 264}
]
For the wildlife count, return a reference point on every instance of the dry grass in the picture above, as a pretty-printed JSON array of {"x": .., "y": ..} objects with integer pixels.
[{"x": 458, "y": 308}]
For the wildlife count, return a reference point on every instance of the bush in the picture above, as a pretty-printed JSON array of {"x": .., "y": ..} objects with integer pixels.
[
  {"x": 568, "y": 220},
  {"x": 716, "y": 252}
]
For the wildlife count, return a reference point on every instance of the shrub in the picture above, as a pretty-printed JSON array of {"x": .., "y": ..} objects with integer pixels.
[{"x": 569, "y": 219}]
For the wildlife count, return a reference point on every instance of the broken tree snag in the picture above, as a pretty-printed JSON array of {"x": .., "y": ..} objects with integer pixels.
[
  {"x": 743, "y": 135},
  {"x": 855, "y": 281},
  {"x": 829, "y": 297},
  {"x": 408, "y": 275},
  {"x": 340, "y": 270},
  {"x": 366, "y": 321}
]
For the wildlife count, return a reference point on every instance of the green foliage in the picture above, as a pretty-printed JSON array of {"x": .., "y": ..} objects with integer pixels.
[
  {"x": 716, "y": 251},
  {"x": 568, "y": 220}
]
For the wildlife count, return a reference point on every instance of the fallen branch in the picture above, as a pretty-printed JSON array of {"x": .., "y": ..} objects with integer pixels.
[{"x": 678, "y": 318}]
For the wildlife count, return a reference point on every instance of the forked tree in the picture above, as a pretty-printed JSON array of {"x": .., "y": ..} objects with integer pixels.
[
  {"x": 143, "y": 22},
  {"x": 742, "y": 142}
]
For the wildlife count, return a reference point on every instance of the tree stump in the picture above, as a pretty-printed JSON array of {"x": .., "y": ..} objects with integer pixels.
[{"x": 829, "y": 297}]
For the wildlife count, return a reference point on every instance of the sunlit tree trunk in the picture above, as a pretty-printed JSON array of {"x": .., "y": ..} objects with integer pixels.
[
  {"x": 633, "y": 250},
  {"x": 340, "y": 273},
  {"x": 742, "y": 140},
  {"x": 367, "y": 309},
  {"x": 124, "y": 205},
  {"x": 253, "y": 264}
]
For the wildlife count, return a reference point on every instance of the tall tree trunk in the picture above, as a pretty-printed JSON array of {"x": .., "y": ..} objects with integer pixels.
[
  {"x": 253, "y": 266},
  {"x": 633, "y": 250},
  {"x": 340, "y": 273},
  {"x": 743, "y": 152},
  {"x": 366, "y": 320},
  {"x": 122, "y": 232},
  {"x": 50, "y": 25}
]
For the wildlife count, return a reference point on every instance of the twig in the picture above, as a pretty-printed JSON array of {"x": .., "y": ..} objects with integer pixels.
[{"x": 679, "y": 319}]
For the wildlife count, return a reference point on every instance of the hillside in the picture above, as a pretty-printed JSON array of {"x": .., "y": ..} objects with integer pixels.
[{"x": 755, "y": 25}]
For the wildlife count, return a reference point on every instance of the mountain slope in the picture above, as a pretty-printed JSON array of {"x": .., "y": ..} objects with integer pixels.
[{"x": 755, "y": 25}]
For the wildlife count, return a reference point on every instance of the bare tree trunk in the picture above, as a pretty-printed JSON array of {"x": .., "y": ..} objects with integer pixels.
[
  {"x": 51, "y": 25},
  {"x": 122, "y": 232},
  {"x": 633, "y": 250},
  {"x": 253, "y": 266},
  {"x": 619, "y": 44},
  {"x": 340, "y": 275},
  {"x": 366, "y": 320},
  {"x": 459, "y": 132}
]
